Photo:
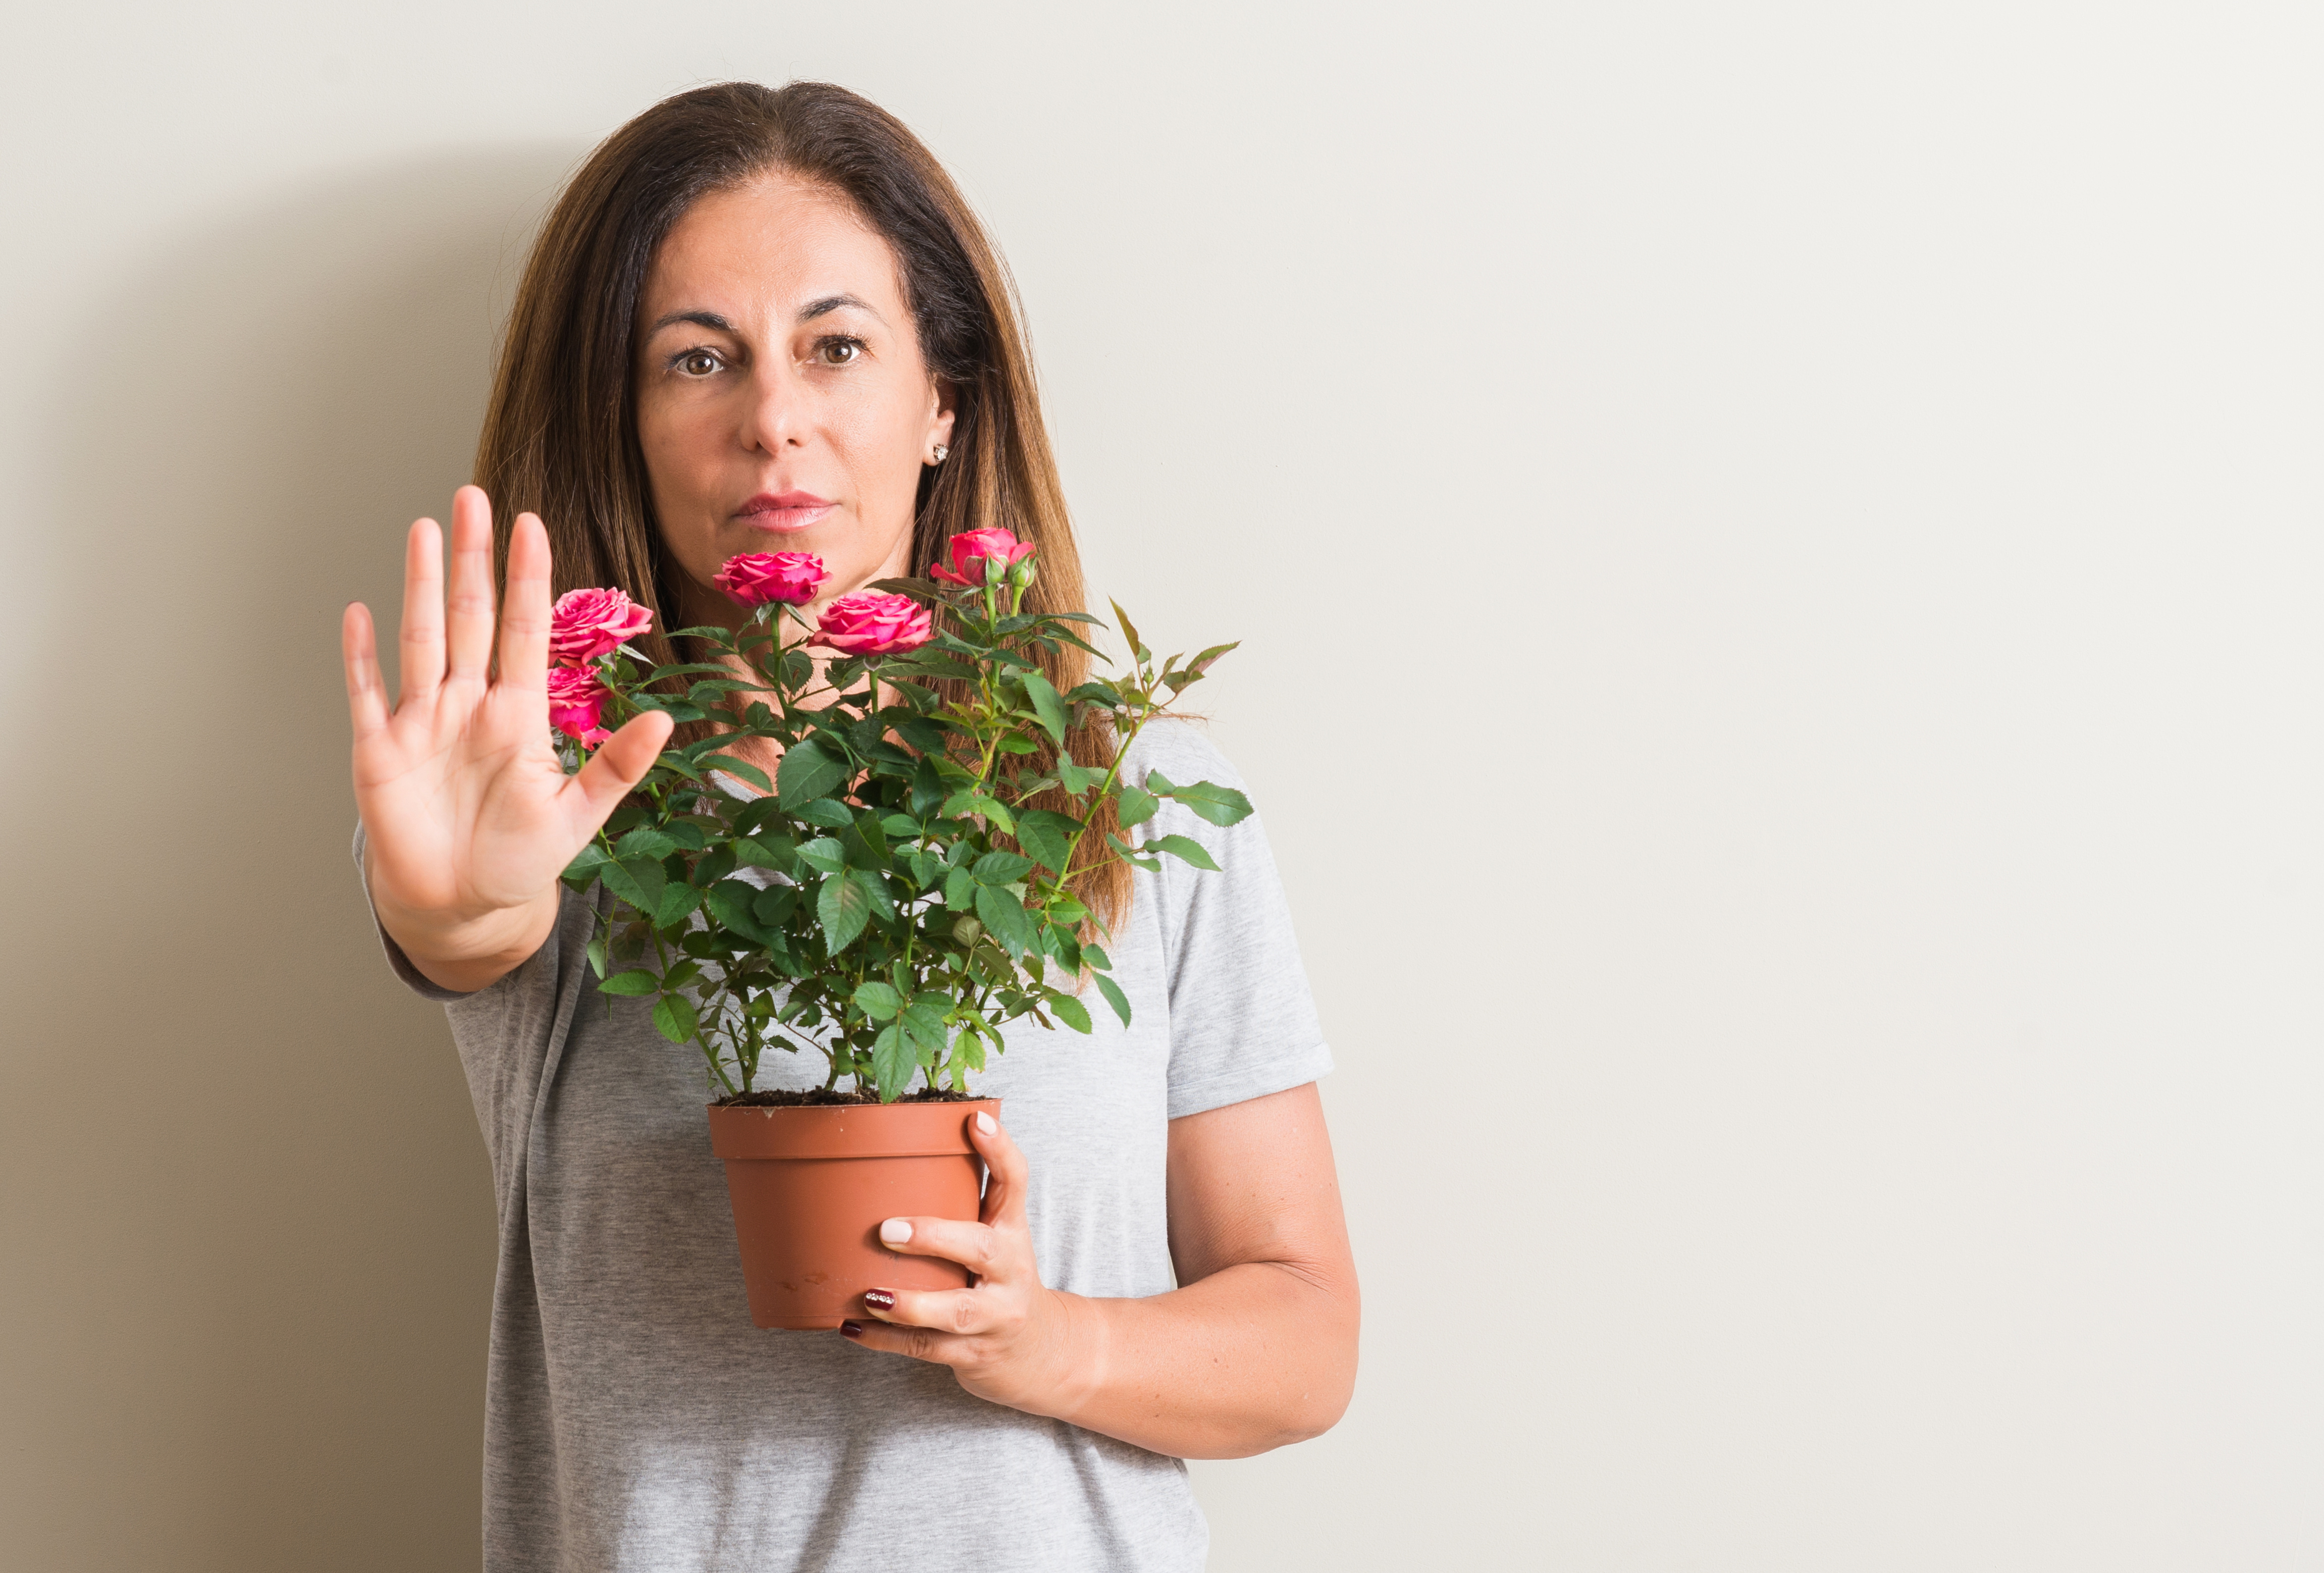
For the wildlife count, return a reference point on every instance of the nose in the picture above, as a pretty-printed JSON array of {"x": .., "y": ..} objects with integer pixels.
[{"x": 775, "y": 419}]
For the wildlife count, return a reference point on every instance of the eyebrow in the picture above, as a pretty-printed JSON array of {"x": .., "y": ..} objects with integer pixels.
[
  {"x": 829, "y": 303},
  {"x": 808, "y": 313},
  {"x": 710, "y": 320}
]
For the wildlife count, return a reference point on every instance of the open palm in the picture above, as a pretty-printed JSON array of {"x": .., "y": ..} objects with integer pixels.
[{"x": 468, "y": 816}]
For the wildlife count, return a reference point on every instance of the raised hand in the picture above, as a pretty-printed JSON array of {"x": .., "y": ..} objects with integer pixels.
[{"x": 468, "y": 816}]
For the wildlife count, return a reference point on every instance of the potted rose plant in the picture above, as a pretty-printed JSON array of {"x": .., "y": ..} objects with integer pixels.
[{"x": 889, "y": 899}]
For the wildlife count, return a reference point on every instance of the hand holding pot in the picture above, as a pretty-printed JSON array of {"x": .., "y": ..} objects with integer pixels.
[
  {"x": 468, "y": 816},
  {"x": 1008, "y": 1339}
]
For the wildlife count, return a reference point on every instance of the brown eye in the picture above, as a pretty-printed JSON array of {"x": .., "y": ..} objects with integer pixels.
[
  {"x": 698, "y": 363},
  {"x": 840, "y": 351}
]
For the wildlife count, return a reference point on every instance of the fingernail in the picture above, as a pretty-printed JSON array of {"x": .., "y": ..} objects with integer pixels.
[
  {"x": 895, "y": 1232},
  {"x": 984, "y": 1122},
  {"x": 879, "y": 1300},
  {"x": 851, "y": 1329}
]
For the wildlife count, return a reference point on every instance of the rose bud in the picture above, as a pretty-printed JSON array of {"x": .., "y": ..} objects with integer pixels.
[{"x": 970, "y": 548}]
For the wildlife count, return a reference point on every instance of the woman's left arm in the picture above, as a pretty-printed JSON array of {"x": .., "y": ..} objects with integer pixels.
[{"x": 1256, "y": 1349}]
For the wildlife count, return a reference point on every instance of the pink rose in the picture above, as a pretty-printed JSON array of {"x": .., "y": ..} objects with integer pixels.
[
  {"x": 970, "y": 546},
  {"x": 756, "y": 577},
  {"x": 588, "y": 624},
  {"x": 575, "y": 698},
  {"x": 869, "y": 624}
]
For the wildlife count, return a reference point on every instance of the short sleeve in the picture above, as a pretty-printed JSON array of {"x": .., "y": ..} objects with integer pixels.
[
  {"x": 1242, "y": 1018},
  {"x": 397, "y": 961}
]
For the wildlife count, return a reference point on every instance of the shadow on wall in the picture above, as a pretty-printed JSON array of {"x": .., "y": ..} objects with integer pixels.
[{"x": 245, "y": 1212}]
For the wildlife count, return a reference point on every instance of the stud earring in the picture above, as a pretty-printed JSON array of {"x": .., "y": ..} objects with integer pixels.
[{"x": 941, "y": 451}]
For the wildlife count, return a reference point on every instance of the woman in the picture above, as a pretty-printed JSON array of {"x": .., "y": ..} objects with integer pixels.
[{"x": 763, "y": 320}]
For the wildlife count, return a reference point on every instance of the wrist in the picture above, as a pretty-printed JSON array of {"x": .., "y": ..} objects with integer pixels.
[
  {"x": 467, "y": 953},
  {"x": 1076, "y": 1358}
]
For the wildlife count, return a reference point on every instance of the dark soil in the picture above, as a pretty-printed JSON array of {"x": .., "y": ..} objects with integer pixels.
[{"x": 824, "y": 1096}]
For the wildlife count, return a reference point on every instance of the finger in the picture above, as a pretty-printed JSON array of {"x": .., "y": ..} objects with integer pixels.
[
  {"x": 470, "y": 606},
  {"x": 367, "y": 698},
  {"x": 1004, "y": 1192},
  {"x": 422, "y": 636},
  {"x": 613, "y": 772},
  {"x": 947, "y": 1311},
  {"x": 975, "y": 1246},
  {"x": 913, "y": 1343},
  {"x": 525, "y": 611}
]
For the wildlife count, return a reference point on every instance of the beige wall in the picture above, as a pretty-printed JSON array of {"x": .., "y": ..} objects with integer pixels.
[{"x": 1778, "y": 553}]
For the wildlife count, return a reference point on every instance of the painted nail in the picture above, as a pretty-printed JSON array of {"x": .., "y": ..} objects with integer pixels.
[
  {"x": 851, "y": 1329},
  {"x": 984, "y": 1122},
  {"x": 895, "y": 1232},
  {"x": 879, "y": 1300}
]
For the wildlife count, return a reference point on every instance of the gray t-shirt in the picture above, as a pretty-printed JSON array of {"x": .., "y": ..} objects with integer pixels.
[{"x": 636, "y": 1421}]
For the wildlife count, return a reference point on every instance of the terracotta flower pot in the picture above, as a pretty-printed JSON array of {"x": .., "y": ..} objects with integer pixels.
[{"x": 811, "y": 1185}]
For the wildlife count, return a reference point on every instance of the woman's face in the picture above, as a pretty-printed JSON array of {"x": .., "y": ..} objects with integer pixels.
[{"x": 782, "y": 401}]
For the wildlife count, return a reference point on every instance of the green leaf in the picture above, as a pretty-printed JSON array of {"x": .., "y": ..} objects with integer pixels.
[
  {"x": 638, "y": 881},
  {"x": 779, "y": 853},
  {"x": 582, "y": 872},
  {"x": 739, "y": 767},
  {"x": 687, "y": 834},
  {"x": 1070, "y": 1011},
  {"x": 1048, "y": 837},
  {"x": 864, "y": 843},
  {"x": 673, "y": 1016},
  {"x": 773, "y": 906},
  {"x": 924, "y": 1018},
  {"x": 1220, "y": 805},
  {"x": 878, "y": 1000},
  {"x": 1096, "y": 957},
  {"x": 1078, "y": 779},
  {"x": 928, "y": 793},
  {"x": 1000, "y": 868},
  {"x": 713, "y": 867},
  {"x": 678, "y": 901},
  {"x": 969, "y": 801},
  {"x": 1112, "y": 993},
  {"x": 1004, "y": 916},
  {"x": 1129, "y": 630},
  {"x": 1202, "y": 663},
  {"x": 925, "y": 735},
  {"x": 1183, "y": 847},
  {"x": 808, "y": 770},
  {"x": 633, "y": 982},
  {"x": 645, "y": 841},
  {"x": 842, "y": 909},
  {"x": 823, "y": 853},
  {"x": 960, "y": 889},
  {"x": 919, "y": 589},
  {"x": 827, "y": 813},
  {"x": 875, "y": 891},
  {"x": 730, "y": 903},
  {"x": 893, "y": 1061},
  {"x": 1046, "y": 704},
  {"x": 756, "y": 815},
  {"x": 1138, "y": 806}
]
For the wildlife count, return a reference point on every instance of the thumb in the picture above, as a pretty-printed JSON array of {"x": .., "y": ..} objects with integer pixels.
[{"x": 614, "y": 771}]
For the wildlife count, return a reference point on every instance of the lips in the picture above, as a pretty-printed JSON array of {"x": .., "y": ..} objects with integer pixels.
[{"x": 781, "y": 514}]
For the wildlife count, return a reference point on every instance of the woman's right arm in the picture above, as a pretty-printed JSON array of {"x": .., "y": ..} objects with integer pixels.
[{"x": 469, "y": 817}]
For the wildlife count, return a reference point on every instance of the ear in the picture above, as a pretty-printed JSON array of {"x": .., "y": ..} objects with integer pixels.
[{"x": 940, "y": 414}]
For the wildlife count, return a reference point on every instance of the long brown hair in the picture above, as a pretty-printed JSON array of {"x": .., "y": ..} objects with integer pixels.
[{"x": 560, "y": 434}]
